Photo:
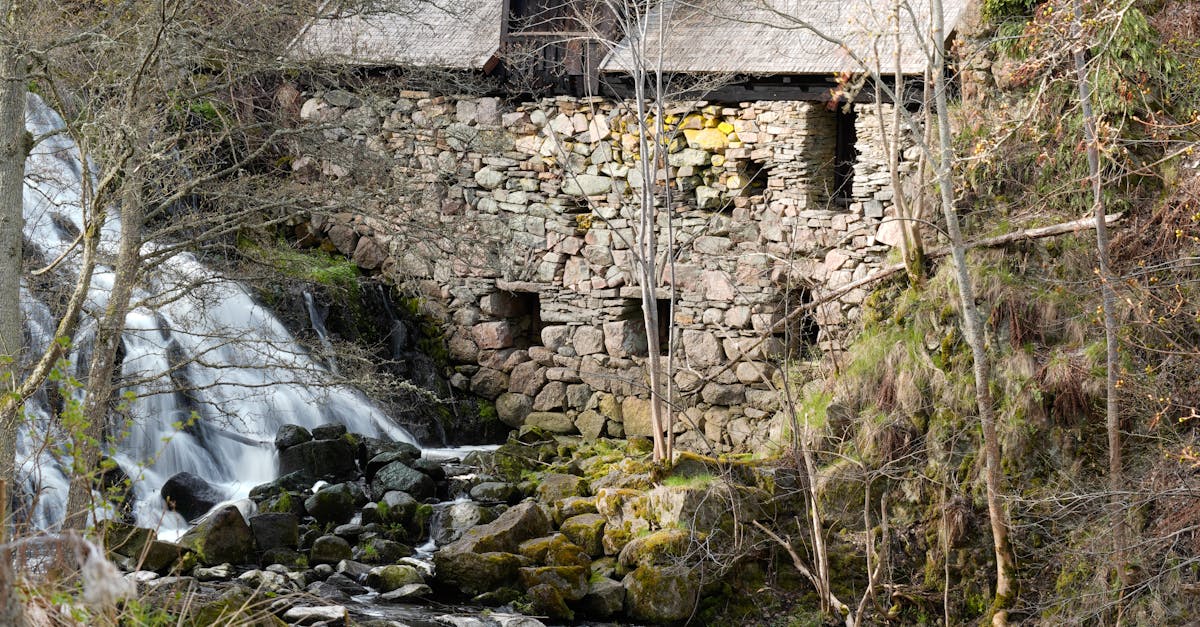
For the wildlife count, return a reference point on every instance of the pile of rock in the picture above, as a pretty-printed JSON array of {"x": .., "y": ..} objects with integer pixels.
[{"x": 509, "y": 531}]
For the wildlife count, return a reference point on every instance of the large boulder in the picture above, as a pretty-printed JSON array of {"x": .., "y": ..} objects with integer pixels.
[
  {"x": 329, "y": 431},
  {"x": 391, "y": 577},
  {"x": 329, "y": 550},
  {"x": 190, "y": 495},
  {"x": 334, "y": 503},
  {"x": 605, "y": 598},
  {"x": 587, "y": 531},
  {"x": 571, "y": 581},
  {"x": 555, "y": 550},
  {"x": 497, "y": 492},
  {"x": 397, "y": 507},
  {"x": 136, "y": 548},
  {"x": 290, "y": 435},
  {"x": 451, "y": 520},
  {"x": 372, "y": 447},
  {"x": 702, "y": 506},
  {"x": 661, "y": 594},
  {"x": 520, "y": 523},
  {"x": 657, "y": 547},
  {"x": 275, "y": 531},
  {"x": 556, "y": 486},
  {"x": 484, "y": 557},
  {"x": 512, "y": 408},
  {"x": 331, "y": 460},
  {"x": 398, "y": 476},
  {"x": 477, "y": 573},
  {"x": 222, "y": 536}
]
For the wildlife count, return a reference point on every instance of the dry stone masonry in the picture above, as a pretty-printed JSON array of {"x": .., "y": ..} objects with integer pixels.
[{"x": 516, "y": 225}]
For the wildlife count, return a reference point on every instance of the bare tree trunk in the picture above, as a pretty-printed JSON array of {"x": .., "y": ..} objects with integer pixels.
[
  {"x": 973, "y": 331},
  {"x": 98, "y": 390},
  {"x": 11, "y": 613},
  {"x": 911, "y": 248},
  {"x": 1109, "y": 299},
  {"x": 14, "y": 146}
]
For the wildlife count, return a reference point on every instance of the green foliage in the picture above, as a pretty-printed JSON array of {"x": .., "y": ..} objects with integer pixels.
[
  {"x": 701, "y": 480},
  {"x": 996, "y": 11},
  {"x": 313, "y": 265},
  {"x": 370, "y": 551}
]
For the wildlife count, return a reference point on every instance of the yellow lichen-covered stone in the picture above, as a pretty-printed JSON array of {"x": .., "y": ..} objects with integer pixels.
[
  {"x": 693, "y": 121},
  {"x": 718, "y": 160},
  {"x": 709, "y": 139},
  {"x": 735, "y": 181},
  {"x": 725, "y": 127},
  {"x": 710, "y": 122}
]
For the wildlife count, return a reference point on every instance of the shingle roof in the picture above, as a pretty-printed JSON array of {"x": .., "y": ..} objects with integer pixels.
[
  {"x": 460, "y": 34},
  {"x": 771, "y": 36}
]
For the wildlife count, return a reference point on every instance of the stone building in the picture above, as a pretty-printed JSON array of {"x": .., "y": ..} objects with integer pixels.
[{"x": 516, "y": 222}]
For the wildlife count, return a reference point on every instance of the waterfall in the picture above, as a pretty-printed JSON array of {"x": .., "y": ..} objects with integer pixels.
[
  {"x": 318, "y": 326},
  {"x": 212, "y": 373}
]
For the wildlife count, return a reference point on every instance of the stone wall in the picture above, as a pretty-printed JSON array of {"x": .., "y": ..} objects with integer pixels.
[{"x": 516, "y": 223}]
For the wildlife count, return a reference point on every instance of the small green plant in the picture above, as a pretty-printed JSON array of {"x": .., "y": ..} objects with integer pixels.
[
  {"x": 997, "y": 11},
  {"x": 370, "y": 551},
  {"x": 701, "y": 480},
  {"x": 315, "y": 265}
]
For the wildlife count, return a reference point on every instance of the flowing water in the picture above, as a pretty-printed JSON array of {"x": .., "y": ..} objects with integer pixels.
[{"x": 212, "y": 373}]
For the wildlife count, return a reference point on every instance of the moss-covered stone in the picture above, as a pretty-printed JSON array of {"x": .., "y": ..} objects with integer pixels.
[
  {"x": 223, "y": 536},
  {"x": 329, "y": 550},
  {"x": 477, "y": 573},
  {"x": 657, "y": 547},
  {"x": 570, "y": 581},
  {"x": 496, "y": 598},
  {"x": 557, "y": 486},
  {"x": 554, "y": 550},
  {"x": 548, "y": 600},
  {"x": 235, "y": 606},
  {"x": 334, "y": 503},
  {"x": 514, "y": 458},
  {"x": 397, "y": 476},
  {"x": 661, "y": 594},
  {"x": 392, "y": 577},
  {"x": 605, "y": 598},
  {"x": 587, "y": 531},
  {"x": 574, "y": 506}
]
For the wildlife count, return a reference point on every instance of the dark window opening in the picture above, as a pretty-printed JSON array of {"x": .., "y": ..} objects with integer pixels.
[
  {"x": 753, "y": 178},
  {"x": 632, "y": 310},
  {"x": 798, "y": 337},
  {"x": 845, "y": 155},
  {"x": 527, "y": 319},
  {"x": 664, "y": 325}
]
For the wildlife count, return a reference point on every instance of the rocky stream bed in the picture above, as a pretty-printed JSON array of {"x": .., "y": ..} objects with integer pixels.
[{"x": 546, "y": 529}]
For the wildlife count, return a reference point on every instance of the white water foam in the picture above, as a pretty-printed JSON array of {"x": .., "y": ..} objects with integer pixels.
[{"x": 212, "y": 373}]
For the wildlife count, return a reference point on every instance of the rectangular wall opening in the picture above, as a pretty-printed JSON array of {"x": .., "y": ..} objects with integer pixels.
[
  {"x": 527, "y": 327},
  {"x": 845, "y": 155},
  {"x": 631, "y": 309},
  {"x": 800, "y": 335}
]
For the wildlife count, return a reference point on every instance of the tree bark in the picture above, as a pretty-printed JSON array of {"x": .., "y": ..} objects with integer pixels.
[
  {"x": 14, "y": 146},
  {"x": 98, "y": 390},
  {"x": 973, "y": 331},
  {"x": 1108, "y": 296}
]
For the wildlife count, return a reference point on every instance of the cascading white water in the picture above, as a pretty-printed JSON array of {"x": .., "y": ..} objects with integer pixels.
[
  {"x": 318, "y": 326},
  {"x": 215, "y": 373}
]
